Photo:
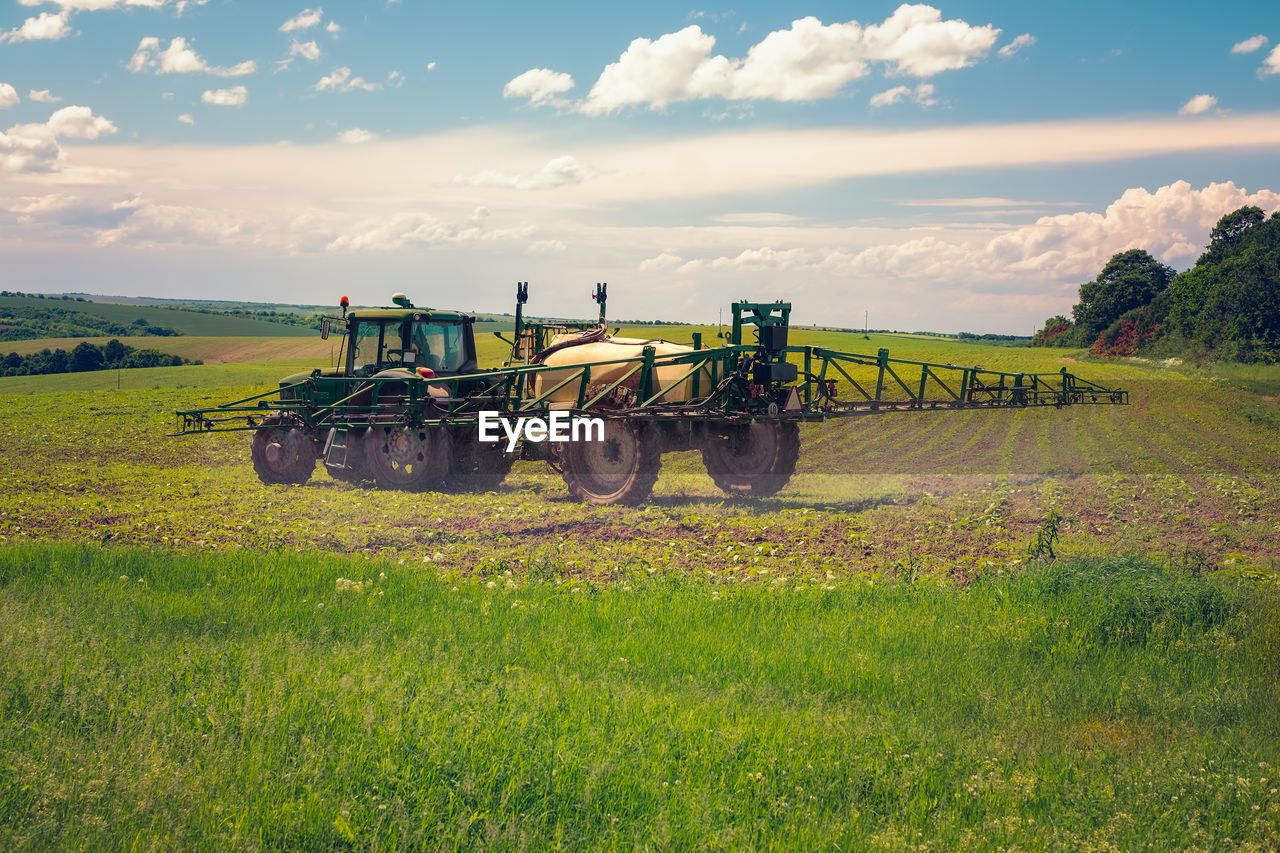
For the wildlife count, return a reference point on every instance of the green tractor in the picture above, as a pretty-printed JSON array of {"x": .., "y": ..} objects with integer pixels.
[{"x": 385, "y": 353}]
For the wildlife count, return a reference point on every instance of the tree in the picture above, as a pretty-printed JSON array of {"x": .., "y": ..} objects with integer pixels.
[
  {"x": 1228, "y": 232},
  {"x": 85, "y": 356},
  {"x": 1130, "y": 280},
  {"x": 114, "y": 352}
]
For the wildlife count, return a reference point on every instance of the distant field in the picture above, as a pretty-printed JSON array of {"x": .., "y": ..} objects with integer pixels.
[{"x": 186, "y": 322}]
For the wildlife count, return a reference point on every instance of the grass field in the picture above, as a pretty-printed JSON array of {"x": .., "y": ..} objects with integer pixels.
[{"x": 869, "y": 659}]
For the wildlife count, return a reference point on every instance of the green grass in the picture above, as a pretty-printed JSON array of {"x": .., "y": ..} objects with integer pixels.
[
  {"x": 866, "y": 660},
  {"x": 294, "y": 700}
]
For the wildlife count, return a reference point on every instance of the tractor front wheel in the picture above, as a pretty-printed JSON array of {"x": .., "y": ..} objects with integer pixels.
[
  {"x": 752, "y": 459},
  {"x": 409, "y": 458},
  {"x": 621, "y": 469},
  {"x": 282, "y": 455}
]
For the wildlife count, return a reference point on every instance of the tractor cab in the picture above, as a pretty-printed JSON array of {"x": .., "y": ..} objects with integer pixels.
[{"x": 409, "y": 338}]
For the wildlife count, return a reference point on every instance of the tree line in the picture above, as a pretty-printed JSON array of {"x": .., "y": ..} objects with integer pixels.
[
  {"x": 24, "y": 323},
  {"x": 87, "y": 356},
  {"x": 1226, "y": 307}
]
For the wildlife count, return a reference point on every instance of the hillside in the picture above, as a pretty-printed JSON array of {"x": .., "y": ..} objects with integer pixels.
[{"x": 114, "y": 320}]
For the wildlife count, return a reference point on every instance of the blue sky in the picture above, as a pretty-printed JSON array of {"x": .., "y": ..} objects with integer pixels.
[{"x": 943, "y": 166}]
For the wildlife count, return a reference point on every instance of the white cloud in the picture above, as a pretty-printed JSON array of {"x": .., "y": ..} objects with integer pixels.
[
  {"x": 186, "y": 118},
  {"x": 8, "y": 96},
  {"x": 403, "y": 229},
  {"x": 663, "y": 262},
  {"x": 431, "y": 66},
  {"x": 546, "y": 247},
  {"x": 355, "y": 136},
  {"x": 1249, "y": 45},
  {"x": 922, "y": 94},
  {"x": 307, "y": 50},
  {"x": 561, "y": 171},
  {"x": 395, "y": 78},
  {"x": 236, "y": 96},
  {"x": 809, "y": 61},
  {"x": 304, "y": 20},
  {"x": 539, "y": 85},
  {"x": 178, "y": 58},
  {"x": 1271, "y": 65},
  {"x": 1173, "y": 223},
  {"x": 42, "y": 96},
  {"x": 98, "y": 5},
  {"x": 1024, "y": 40},
  {"x": 47, "y": 26},
  {"x": 342, "y": 81},
  {"x": 333, "y": 29},
  {"x": 1197, "y": 105},
  {"x": 34, "y": 148}
]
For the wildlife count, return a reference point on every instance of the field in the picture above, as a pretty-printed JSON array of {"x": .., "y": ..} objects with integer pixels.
[{"x": 870, "y": 659}]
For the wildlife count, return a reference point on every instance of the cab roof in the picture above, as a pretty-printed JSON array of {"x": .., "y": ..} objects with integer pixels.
[{"x": 429, "y": 314}]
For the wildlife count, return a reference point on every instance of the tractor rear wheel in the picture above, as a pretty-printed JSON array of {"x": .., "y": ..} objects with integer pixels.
[
  {"x": 621, "y": 469},
  {"x": 409, "y": 458},
  {"x": 282, "y": 454},
  {"x": 752, "y": 459}
]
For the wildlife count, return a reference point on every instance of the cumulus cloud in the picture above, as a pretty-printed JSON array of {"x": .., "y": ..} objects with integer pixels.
[
  {"x": 539, "y": 85},
  {"x": 558, "y": 172},
  {"x": 1249, "y": 45},
  {"x": 307, "y": 50},
  {"x": 355, "y": 136},
  {"x": 178, "y": 58},
  {"x": 48, "y": 26},
  {"x": 1197, "y": 105},
  {"x": 1173, "y": 223},
  {"x": 342, "y": 81},
  {"x": 42, "y": 96},
  {"x": 8, "y": 96},
  {"x": 922, "y": 94},
  {"x": 403, "y": 229},
  {"x": 808, "y": 61},
  {"x": 1271, "y": 65},
  {"x": 236, "y": 96},
  {"x": 186, "y": 119},
  {"x": 333, "y": 29},
  {"x": 304, "y": 20},
  {"x": 1024, "y": 40},
  {"x": 34, "y": 148}
]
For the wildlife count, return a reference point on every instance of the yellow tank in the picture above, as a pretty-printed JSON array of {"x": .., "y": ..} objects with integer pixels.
[{"x": 563, "y": 352}]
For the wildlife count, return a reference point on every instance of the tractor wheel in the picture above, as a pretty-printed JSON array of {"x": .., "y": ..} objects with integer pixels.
[
  {"x": 621, "y": 469},
  {"x": 752, "y": 459},
  {"x": 282, "y": 455},
  {"x": 409, "y": 458},
  {"x": 476, "y": 465},
  {"x": 356, "y": 470}
]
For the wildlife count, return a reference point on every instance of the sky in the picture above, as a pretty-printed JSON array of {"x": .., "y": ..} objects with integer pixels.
[{"x": 957, "y": 166}]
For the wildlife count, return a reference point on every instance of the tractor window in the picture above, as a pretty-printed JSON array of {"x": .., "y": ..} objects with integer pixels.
[
  {"x": 366, "y": 348},
  {"x": 439, "y": 346}
]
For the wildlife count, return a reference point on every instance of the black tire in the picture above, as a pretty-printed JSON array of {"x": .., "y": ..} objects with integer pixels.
[
  {"x": 619, "y": 470},
  {"x": 408, "y": 458},
  {"x": 282, "y": 454},
  {"x": 752, "y": 459},
  {"x": 478, "y": 465}
]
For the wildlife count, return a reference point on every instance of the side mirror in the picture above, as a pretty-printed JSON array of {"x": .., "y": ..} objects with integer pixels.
[{"x": 324, "y": 329}]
